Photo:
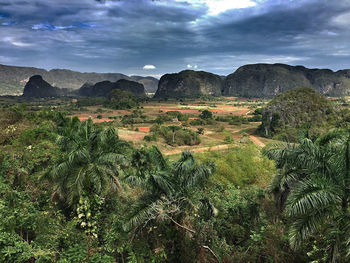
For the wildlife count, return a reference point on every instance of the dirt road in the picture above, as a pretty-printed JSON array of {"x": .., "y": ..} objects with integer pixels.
[
  {"x": 222, "y": 147},
  {"x": 197, "y": 150},
  {"x": 256, "y": 141}
]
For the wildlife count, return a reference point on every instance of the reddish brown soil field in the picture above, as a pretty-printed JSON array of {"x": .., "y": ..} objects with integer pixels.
[
  {"x": 84, "y": 117},
  {"x": 144, "y": 129}
]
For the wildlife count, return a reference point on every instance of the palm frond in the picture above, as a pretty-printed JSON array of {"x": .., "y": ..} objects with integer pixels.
[
  {"x": 309, "y": 195},
  {"x": 304, "y": 226}
]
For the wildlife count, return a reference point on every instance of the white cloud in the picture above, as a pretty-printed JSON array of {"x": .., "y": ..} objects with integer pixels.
[
  {"x": 148, "y": 67},
  {"x": 216, "y": 7},
  {"x": 342, "y": 20},
  {"x": 15, "y": 42},
  {"x": 192, "y": 66},
  {"x": 47, "y": 26}
]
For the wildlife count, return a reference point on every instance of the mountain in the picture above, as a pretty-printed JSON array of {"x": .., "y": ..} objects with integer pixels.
[
  {"x": 150, "y": 83},
  {"x": 13, "y": 79},
  {"x": 36, "y": 87},
  {"x": 255, "y": 80},
  {"x": 104, "y": 88},
  {"x": 189, "y": 84},
  {"x": 268, "y": 80}
]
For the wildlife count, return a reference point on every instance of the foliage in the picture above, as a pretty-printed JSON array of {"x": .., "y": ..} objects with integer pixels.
[
  {"x": 291, "y": 113},
  {"x": 73, "y": 191},
  {"x": 312, "y": 186},
  {"x": 206, "y": 114},
  {"x": 90, "y": 163},
  {"x": 168, "y": 192}
]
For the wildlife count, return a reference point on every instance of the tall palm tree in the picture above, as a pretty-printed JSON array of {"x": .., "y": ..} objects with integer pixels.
[
  {"x": 167, "y": 189},
  {"x": 91, "y": 160},
  {"x": 168, "y": 195},
  {"x": 314, "y": 180}
]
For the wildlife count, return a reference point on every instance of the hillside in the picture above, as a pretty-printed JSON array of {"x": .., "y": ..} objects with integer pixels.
[
  {"x": 296, "y": 109},
  {"x": 190, "y": 84},
  {"x": 13, "y": 79},
  {"x": 268, "y": 80},
  {"x": 150, "y": 83},
  {"x": 104, "y": 88}
]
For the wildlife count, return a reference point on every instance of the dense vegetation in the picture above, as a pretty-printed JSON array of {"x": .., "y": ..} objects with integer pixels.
[
  {"x": 73, "y": 191},
  {"x": 302, "y": 110}
]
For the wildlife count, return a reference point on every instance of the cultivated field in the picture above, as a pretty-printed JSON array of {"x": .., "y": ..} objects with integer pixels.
[{"x": 214, "y": 136}]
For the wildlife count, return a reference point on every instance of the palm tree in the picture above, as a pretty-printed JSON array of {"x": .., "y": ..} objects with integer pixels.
[
  {"x": 167, "y": 188},
  {"x": 92, "y": 159},
  {"x": 174, "y": 128},
  {"x": 168, "y": 191},
  {"x": 314, "y": 180}
]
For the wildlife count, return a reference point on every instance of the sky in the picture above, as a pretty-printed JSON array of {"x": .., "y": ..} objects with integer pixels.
[{"x": 145, "y": 37}]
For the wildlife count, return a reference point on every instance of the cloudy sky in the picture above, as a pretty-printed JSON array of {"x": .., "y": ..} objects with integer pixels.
[{"x": 148, "y": 37}]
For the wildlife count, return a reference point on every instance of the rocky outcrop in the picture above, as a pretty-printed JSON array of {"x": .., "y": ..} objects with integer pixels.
[
  {"x": 37, "y": 87},
  {"x": 189, "y": 84},
  {"x": 268, "y": 80},
  {"x": 104, "y": 88}
]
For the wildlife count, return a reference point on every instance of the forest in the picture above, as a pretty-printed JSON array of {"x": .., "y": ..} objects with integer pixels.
[{"x": 74, "y": 191}]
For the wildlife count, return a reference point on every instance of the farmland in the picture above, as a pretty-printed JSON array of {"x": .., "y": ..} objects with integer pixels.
[{"x": 213, "y": 137}]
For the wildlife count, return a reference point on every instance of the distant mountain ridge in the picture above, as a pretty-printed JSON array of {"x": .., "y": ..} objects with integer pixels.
[
  {"x": 268, "y": 80},
  {"x": 13, "y": 79},
  {"x": 254, "y": 80}
]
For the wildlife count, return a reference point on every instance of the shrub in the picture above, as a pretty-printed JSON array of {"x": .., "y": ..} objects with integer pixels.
[
  {"x": 205, "y": 115},
  {"x": 229, "y": 139}
]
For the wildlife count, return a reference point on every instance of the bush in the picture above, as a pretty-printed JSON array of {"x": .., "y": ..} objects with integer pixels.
[
  {"x": 205, "y": 115},
  {"x": 255, "y": 118},
  {"x": 238, "y": 120},
  {"x": 258, "y": 111},
  {"x": 178, "y": 115},
  {"x": 197, "y": 122},
  {"x": 229, "y": 139},
  {"x": 127, "y": 119}
]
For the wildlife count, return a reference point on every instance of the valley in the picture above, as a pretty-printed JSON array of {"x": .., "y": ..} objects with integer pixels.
[{"x": 175, "y": 131}]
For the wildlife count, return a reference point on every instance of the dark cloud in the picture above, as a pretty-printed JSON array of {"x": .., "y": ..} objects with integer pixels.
[{"x": 123, "y": 36}]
